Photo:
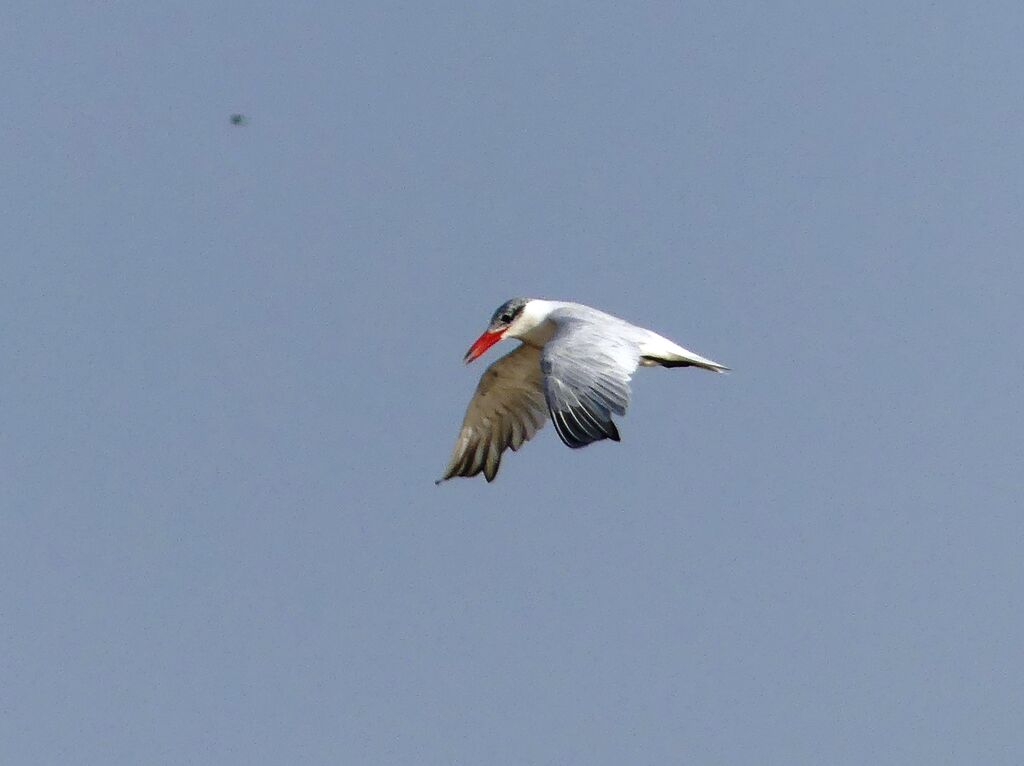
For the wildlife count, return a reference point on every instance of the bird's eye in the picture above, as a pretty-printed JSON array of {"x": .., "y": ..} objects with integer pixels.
[{"x": 506, "y": 318}]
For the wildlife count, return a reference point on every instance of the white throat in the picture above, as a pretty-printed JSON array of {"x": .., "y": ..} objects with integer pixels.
[{"x": 532, "y": 325}]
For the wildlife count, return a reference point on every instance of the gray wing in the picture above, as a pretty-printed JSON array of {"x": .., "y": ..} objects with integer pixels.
[
  {"x": 587, "y": 366},
  {"x": 506, "y": 411}
]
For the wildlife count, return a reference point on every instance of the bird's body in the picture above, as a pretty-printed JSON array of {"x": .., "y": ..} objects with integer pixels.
[{"x": 574, "y": 366}]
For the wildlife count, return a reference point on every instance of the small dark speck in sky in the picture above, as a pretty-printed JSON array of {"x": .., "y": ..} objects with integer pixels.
[{"x": 239, "y": 119}]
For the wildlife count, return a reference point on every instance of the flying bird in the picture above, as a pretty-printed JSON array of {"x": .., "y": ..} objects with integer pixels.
[{"x": 574, "y": 365}]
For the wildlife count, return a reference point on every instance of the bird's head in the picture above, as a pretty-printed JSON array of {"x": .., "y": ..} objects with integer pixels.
[{"x": 508, "y": 321}]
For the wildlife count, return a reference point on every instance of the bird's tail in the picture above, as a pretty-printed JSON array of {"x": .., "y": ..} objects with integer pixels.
[{"x": 677, "y": 356}]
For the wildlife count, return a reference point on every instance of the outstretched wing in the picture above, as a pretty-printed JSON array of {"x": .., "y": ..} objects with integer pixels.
[
  {"x": 506, "y": 411},
  {"x": 587, "y": 365}
]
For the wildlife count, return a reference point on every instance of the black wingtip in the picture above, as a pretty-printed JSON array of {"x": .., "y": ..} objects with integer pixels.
[{"x": 576, "y": 436}]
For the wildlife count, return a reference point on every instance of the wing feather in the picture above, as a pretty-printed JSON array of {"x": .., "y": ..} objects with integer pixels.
[
  {"x": 587, "y": 367},
  {"x": 507, "y": 409}
]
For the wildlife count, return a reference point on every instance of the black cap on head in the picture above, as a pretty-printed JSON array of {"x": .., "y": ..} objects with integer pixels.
[{"x": 508, "y": 311}]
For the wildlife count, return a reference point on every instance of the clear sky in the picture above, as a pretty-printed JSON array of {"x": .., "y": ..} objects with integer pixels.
[{"x": 231, "y": 370}]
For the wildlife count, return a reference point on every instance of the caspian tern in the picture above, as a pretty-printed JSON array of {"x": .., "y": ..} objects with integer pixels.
[{"x": 575, "y": 363}]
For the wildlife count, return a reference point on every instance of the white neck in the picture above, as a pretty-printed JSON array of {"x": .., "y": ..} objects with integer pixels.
[{"x": 531, "y": 326}]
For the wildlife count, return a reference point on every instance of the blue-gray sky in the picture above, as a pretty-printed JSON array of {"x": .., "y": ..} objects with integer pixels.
[{"x": 232, "y": 370}]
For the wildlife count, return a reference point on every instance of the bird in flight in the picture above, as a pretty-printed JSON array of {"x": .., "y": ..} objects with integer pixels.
[{"x": 574, "y": 365}]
